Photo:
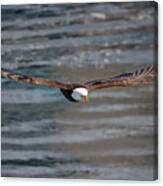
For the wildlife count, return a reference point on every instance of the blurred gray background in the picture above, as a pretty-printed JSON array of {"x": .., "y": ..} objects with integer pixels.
[{"x": 44, "y": 135}]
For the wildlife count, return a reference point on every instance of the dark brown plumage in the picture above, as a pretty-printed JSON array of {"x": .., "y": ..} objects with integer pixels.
[{"x": 141, "y": 76}]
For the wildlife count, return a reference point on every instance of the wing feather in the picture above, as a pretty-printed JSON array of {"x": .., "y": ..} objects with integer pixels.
[
  {"x": 34, "y": 80},
  {"x": 141, "y": 76}
]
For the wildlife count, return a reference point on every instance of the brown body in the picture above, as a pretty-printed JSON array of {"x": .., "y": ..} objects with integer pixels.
[{"x": 141, "y": 76}]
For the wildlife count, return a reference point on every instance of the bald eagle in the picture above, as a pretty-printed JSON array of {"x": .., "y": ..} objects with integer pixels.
[{"x": 77, "y": 92}]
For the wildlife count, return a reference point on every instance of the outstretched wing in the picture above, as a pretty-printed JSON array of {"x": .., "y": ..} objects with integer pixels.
[
  {"x": 141, "y": 76},
  {"x": 34, "y": 80}
]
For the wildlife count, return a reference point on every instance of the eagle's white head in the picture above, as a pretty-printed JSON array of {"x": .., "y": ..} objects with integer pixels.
[{"x": 80, "y": 94}]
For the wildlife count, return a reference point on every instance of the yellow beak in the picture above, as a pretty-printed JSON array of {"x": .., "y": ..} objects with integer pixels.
[{"x": 85, "y": 99}]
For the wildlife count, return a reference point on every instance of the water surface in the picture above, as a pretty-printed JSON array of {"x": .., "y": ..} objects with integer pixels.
[{"x": 44, "y": 135}]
